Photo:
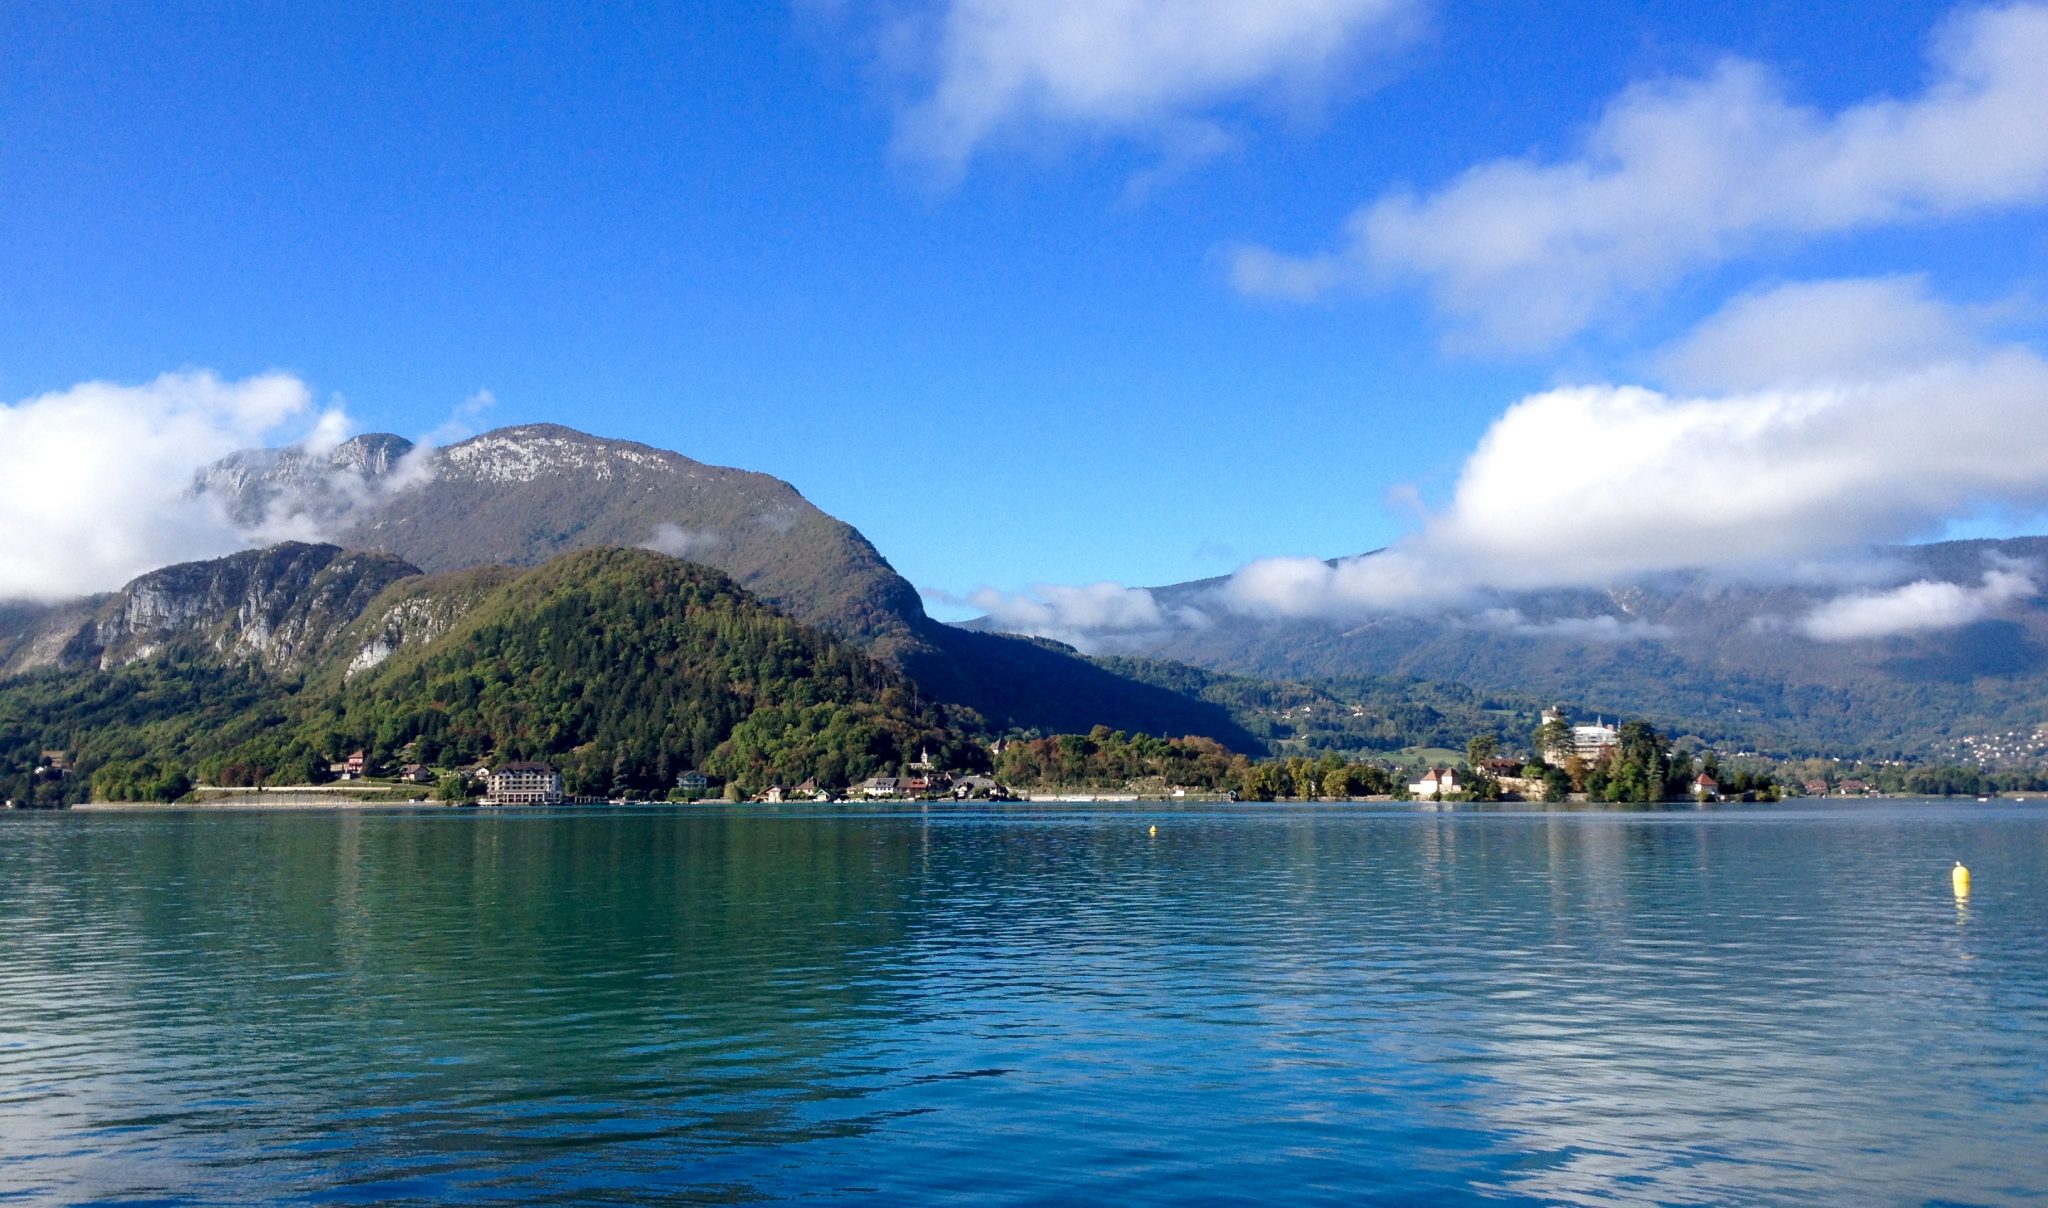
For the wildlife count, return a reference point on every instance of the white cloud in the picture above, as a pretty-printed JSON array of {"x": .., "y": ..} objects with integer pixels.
[
  {"x": 1597, "y": 485},
  {"x": 1681, "y": 175},
  {"x": 97, "y": 491},
  {"x": 333, "y": 427},
  {"x": 1819, "y": 332},
  {"x": 1089, "y": 618},
  {"x": 1147, "y": 67},
  {"x": 1917, "y": 607},
  {"x": 464, "y": 421},
  {"x": 679, "y": 542},
  {"x": 1602, "y": 628}
]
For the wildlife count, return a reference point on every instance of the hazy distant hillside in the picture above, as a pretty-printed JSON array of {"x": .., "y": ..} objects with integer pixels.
[{"x": 1726, "y": 660}]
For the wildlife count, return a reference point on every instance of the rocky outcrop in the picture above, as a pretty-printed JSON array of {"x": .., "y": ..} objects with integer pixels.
[
  {"x": 414, "y": 613},
  {"x": 275, "y": 607}
]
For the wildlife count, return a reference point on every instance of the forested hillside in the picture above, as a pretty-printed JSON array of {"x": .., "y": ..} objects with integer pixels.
[{"x": 624, "y": 667}]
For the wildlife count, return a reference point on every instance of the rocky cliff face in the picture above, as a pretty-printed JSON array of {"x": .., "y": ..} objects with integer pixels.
[
  {"x": 414, "y": 613},
  {"x": 274, "y": 607}
]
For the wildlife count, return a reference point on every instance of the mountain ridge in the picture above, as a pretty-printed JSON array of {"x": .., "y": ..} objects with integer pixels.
[{"x": 1728, "y": 660}]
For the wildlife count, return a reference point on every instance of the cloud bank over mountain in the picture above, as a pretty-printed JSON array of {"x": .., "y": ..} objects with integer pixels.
[
  {"x": 1094, "y": 618},
  {"x": 1818, "y": 419},
  {"x": 1859, "y": 412},
  {"x": 101, "y": 471},
  {"x": 1918, "y": 607},
  {"x": 1678, "y": 176}
]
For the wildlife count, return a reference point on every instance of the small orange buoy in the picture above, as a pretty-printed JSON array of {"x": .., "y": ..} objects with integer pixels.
[{"x": 1961, "y": 877}]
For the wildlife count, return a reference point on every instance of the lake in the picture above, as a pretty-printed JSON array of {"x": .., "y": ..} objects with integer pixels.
[{"x": 1259, "y": 1004}]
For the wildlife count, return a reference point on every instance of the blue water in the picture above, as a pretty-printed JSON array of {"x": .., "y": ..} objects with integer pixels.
[{"x": 1269, "y": 1005}]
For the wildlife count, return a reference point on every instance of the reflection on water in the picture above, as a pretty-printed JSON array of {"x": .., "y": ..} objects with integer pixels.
[{"x": 1026, "y": 1005}]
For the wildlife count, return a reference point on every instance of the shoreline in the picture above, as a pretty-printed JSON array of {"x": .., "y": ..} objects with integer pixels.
[{"x": 272, "y": 805}]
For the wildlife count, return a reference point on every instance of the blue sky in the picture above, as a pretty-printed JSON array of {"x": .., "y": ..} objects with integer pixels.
[{"x": 1012, "y": 331}]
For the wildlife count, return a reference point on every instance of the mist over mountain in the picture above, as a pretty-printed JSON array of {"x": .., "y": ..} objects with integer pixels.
[{"x": 1944, "y": 640}]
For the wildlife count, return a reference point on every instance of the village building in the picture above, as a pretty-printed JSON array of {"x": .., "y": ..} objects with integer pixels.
[
  {"x": 1852, "y": 788},
  {"x": 1815, "y": 788},
  {"x": 977, "y": 786},
  {"x": 881, "y": 787},
  {"x": 1435, "y": 783},
  {"x": 693, "y": 781},
  {"x": 1588, "y": 743},
  {"x": 1706, "y": 788},
  {"x": 417, "y": 773},
  {"x": 355, "y": 767},
  {"x": 524, "y": 783},
  {"x": 773, "y": 796},
  {"x": 809, "y": 791}
]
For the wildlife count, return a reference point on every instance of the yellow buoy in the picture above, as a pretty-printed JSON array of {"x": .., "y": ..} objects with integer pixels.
[
  {"x": 1961, "y": 877},
  {"x": 1155, "y": 831}
]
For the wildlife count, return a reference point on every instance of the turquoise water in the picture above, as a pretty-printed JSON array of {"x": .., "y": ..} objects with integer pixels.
[{"x": 1268, "y": 1005}]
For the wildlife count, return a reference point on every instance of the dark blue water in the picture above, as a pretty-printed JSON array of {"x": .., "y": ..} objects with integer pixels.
[{"x": 1257, "y": 1005}]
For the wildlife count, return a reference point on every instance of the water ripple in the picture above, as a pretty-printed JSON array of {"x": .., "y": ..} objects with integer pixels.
[{"x": 1021, "y": 1005}]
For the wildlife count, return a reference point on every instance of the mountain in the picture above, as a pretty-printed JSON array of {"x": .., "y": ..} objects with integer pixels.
[
  {"x": 624, "y": 667},
  {"x": 522, "y": 495},
  {"x": 1726, "y": 661}
]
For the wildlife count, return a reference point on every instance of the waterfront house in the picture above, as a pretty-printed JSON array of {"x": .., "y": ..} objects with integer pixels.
[
  {"x": 1852, "y": 788},
  {"x": 1706, "y": 788},
  {"x": 417, "y": 773},
  {"x": 693, "y": 781},
  {"x": 773, "y": 796},
  {"x": 1437, "y": 782},
  {"x": 976, "y": 786},
  {"x": 524, "y": 783},
  {"x": 881, "y": 786},
  {"x": 1815, "y": 788}
]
